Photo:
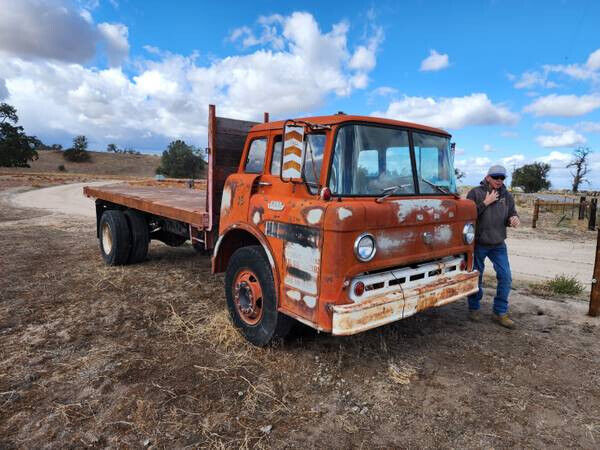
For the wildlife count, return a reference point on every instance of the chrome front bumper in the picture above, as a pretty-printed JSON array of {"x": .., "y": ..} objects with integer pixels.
[{"x": 384, "y": 303}]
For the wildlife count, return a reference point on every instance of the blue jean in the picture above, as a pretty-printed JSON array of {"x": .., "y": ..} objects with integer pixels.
[{"x": 499, "y": 257}]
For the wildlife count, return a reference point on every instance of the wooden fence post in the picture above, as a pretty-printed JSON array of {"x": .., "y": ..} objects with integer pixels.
[
  {"x": 581, "y": 207},
  {"x": 536, "y": 211},
  {"x": 593, "y": 207},
  {"x": 595, "y": 294}
]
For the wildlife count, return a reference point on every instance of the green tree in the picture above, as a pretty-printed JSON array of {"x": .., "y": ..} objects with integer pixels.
[
  {"x": 531, "y": 177},
  {"x": 16, "y": 148},
  {"x": 78, "y": 153},
  {"x": 112, "y": 148},
  {"x": 180, "y": 160}
]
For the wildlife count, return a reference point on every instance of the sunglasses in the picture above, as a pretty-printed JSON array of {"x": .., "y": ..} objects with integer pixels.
[{"x": 498, "y": 177}]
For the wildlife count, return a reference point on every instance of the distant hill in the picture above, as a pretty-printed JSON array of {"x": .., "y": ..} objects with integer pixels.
[{"x": 102, "y": 163}]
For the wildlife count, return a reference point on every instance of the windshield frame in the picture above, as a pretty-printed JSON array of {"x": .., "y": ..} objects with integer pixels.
[{"x": 413, "y": 163}]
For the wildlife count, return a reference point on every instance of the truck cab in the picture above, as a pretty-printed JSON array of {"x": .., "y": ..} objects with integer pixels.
[{"x": 344, "y": 223}]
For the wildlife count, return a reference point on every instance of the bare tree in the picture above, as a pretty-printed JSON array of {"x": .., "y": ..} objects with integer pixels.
[{"x": 580, "y": 166}]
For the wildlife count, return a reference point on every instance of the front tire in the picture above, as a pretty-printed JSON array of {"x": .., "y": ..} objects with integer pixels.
[
  {"x": 115, "y": 242},
  {"x": 251, "y": 297}
]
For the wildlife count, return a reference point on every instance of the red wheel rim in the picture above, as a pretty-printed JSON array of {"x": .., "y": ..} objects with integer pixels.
[{"x": 248, "y": 297}]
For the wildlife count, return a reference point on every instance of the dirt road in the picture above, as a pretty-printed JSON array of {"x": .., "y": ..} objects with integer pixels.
[
  {"x": 531, "y": 258},
  {"x": 65, "y": 199}
]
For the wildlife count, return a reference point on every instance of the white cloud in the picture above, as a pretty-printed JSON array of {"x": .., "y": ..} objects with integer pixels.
[
  {"x": 488, "y": 148},
  {"x": 588, "y": 127},
  {"x": 117, "y": 45},
  {"x": 167, "y": 96},
  {"x": 551, "y": 127},
  {"x": 593, "y": 61},
  {"x": 3, "y": 89},
  {"x": 556, "y": 158},
  {"x": 568, "y": 138},
  {"x": 564, "y": 105},
  {"x": 35, "y": 29},
  {"x": 589, "y": 71},
  {"x": 269, "y": 33},
  {"x": 513, "y": 159},
  {"x": 533, "y": 79},
  {"x": 54, "y": 29},
  {"x": 576, "y": 71},
  {"x": 385, "y": 91},
  {"x": 435, "y": 61},
  {"x": 452, "y": 112}
]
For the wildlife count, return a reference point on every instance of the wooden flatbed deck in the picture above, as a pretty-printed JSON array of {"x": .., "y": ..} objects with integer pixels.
[{"x": 182, "y": 204}]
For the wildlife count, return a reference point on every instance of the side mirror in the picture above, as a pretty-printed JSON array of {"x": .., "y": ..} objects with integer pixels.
[{"x": 292, "y": 156}]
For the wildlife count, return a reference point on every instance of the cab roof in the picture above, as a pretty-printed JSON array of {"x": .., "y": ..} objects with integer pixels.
[{"x": 341, "y": 118}]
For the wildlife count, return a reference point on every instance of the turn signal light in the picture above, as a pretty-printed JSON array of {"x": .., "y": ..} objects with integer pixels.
[
  {"x": 359, "y": 288},
  {"x": 463, "y": 265},
  {"x": 326, "y": 194}
]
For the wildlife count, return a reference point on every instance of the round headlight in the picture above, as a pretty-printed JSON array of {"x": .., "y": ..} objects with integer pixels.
[
  {"x": 364, "y": 247},
  {"x": 469, "y": 233}
]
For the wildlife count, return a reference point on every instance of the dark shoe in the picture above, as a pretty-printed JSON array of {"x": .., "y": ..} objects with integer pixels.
[
  {"x": 474, "y": 315},
  {"x": 504, "y": 321}
]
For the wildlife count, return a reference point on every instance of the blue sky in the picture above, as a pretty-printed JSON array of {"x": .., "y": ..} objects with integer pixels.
[{"x": 514, "y": 82}]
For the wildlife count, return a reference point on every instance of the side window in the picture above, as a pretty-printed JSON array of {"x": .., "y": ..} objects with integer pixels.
[
  {"x": 276, "y": 159},
  {"x": 314, "y": 145},
  {"x": 256, "y": 156}
]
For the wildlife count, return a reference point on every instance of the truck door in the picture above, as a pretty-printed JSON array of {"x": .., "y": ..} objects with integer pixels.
[{"x": 291, "y": 221}]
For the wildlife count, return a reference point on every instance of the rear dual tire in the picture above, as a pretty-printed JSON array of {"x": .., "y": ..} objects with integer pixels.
[{"x": 123, "y": 237}]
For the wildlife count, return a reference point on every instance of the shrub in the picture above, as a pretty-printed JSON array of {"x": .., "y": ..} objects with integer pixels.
[
  {"x": 77, "y": 153},
  {"x": 559, "y": 285},
  {"x": 180, "y": 160},
  {"x": 62, "y": 168},
  {"x": 565, "y": 285}
]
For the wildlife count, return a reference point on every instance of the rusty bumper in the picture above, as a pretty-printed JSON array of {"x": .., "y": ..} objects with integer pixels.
[{"x": 356, "y": 317}]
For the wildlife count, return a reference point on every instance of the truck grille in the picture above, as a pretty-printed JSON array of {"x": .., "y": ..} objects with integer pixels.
[{"x": 405, "y": 278}]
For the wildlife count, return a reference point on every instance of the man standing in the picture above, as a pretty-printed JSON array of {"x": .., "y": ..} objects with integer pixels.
[{"x": 495, "y": 211}]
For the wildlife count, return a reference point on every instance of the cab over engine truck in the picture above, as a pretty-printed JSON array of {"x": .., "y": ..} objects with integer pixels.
[{"x": 341, "y": 222}]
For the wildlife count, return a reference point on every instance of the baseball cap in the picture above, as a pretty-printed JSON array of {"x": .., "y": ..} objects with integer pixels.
[{"x": 497, "y": 170}]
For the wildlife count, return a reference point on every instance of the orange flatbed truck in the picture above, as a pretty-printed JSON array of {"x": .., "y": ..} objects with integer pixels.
[{"x": 344, "y": 223}]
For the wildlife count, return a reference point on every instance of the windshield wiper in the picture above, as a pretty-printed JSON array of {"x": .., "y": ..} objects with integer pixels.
[
  {"x": 441, "y": 189},
  {"x": 387, "y": 192}
]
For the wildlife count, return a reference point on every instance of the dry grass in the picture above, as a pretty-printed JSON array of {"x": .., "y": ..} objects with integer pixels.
[
  {"x": 101, "y": 163},
  {"x": 145, "y": 355}
]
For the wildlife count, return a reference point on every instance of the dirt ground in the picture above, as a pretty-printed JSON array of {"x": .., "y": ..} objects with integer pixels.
[{"x": 145, "y": 356}]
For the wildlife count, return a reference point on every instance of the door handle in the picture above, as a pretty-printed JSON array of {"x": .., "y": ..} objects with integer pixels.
[{"x": 264, "y": 183}]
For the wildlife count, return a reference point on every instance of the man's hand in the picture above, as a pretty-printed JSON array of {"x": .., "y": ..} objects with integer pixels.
[
  {"x": 490, "y": 198},
  {"x": 514, "y": 221}
]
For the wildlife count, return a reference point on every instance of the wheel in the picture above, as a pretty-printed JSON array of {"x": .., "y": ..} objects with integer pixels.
[
  {"x": 251, "y": 297},
  {"x": 115, "y": 242},
  {"x": 140, "y": 238}
]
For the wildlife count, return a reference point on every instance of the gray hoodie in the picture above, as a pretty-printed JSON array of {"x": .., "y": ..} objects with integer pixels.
[{"x": 492, "y": 220}]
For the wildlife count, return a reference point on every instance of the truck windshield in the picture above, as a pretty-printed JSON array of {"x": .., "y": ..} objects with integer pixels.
[{"x": 369, "y": 160}]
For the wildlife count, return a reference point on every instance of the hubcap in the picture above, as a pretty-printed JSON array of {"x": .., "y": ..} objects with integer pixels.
[
  {"x": 248, "y": 297},
  {"x": 106, "y": 239}
]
